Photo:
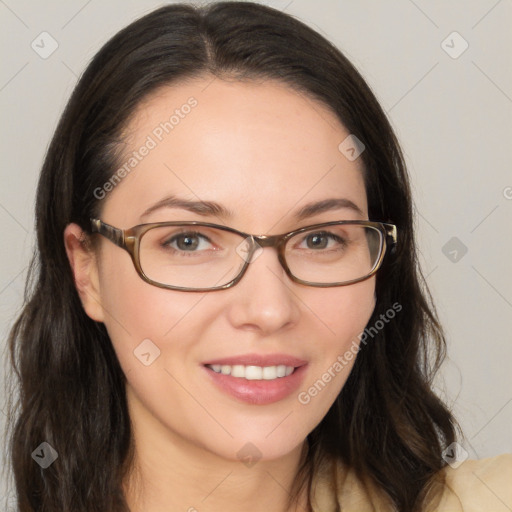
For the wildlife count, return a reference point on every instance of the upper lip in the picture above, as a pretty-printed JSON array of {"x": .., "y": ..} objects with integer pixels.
[{"x": 258, "y": 360}]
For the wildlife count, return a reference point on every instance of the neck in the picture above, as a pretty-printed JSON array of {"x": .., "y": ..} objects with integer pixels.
[{"x": 169, "y": 473}]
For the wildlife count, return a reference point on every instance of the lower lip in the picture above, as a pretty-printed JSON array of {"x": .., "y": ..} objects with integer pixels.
[{"x": 258, "y": 392}]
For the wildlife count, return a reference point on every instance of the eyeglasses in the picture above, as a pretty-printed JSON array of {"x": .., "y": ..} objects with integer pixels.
[{"x": 199, "y": 256}]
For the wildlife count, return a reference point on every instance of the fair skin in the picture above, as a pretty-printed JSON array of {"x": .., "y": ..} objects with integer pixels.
[{"x": 263, "y": 152}]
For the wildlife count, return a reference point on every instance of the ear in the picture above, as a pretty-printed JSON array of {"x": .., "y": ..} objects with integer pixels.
[{"x": 84, "y": 265}]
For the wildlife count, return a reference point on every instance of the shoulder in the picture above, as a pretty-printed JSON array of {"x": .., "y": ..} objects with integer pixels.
[
  {"x": 478, "y": 486},
  {"x": 473, "y": 486}
]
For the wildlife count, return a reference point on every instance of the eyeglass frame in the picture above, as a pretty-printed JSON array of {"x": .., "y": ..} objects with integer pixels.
[{"x": 129, "y": 240}]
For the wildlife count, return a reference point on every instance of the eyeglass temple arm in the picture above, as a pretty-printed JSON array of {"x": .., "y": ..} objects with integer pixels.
[
  {"x": 114, "y": 234},
  {"x": 391, "y": 232}
]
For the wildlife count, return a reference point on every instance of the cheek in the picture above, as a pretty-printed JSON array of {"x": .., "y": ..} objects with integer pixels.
[
  {"x": 344, "y": 312},
  {"x": 141, "y": 318}
]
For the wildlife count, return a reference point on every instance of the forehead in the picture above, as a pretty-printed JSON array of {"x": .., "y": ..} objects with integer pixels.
[{"x": 258, "y": 148}]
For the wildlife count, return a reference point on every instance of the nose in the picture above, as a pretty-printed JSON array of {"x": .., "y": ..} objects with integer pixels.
[{"x": 264, "y": 299}]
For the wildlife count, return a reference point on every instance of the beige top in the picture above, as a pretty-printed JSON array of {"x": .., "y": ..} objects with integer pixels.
[{"x": 474, "y": 486}]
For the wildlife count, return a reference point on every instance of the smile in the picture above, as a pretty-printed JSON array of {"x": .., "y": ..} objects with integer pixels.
[
  {"x": 253, "y": 372},
  {"x": 257, "y": 379}
]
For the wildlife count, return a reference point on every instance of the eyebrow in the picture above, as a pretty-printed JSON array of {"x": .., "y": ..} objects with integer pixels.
[
  {"x": 204, "y": 208},
  {"x": 211, "y": 208},
  {"x": 326, "y": 205}
]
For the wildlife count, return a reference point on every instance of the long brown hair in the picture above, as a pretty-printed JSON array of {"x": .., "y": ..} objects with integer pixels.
[{"x": 386, "y": 424}]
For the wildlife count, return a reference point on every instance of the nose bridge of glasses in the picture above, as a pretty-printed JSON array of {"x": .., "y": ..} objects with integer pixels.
[{"x": 266, "y": 240}]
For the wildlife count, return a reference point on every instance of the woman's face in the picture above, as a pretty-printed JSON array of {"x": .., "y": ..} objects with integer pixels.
[{"x": 262, "y": 152}]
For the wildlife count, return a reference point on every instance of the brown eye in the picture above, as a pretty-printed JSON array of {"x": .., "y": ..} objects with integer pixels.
[
  {"x": 322, "y": 240},
  {"x": 188, "y": 242}
]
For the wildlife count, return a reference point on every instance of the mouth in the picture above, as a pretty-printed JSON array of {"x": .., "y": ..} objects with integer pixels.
[
  {"x": 257, "y": 379},
  {"x": 253, "y": 372}
]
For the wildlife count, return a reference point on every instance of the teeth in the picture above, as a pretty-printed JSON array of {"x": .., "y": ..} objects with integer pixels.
[
  {"x": 237, "y": 371},
  {"x": 253, "y": 372}
]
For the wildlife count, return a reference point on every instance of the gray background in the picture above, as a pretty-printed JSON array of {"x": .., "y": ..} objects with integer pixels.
[{"x": 452, "y": 114}]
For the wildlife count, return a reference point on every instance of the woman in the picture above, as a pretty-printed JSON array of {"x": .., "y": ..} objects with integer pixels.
[{"x": 226, "y": 310}]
